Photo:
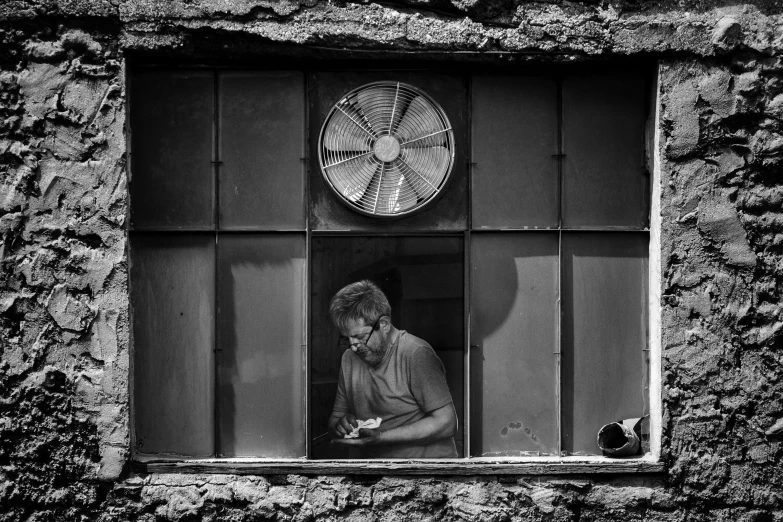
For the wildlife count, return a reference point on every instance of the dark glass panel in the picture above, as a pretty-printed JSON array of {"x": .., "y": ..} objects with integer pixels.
[
  {"x": 261, "y": 337},
  {"x": 173, "y": 303},
  {"x": 172, "y": 149},
  {"x": 604, "y": 334},
  {"x": 513, "y": 365},
  {"x": 261, "y": 150},
  {"x": 514, "y": 139},
  {"x": 604, "y": 182}
]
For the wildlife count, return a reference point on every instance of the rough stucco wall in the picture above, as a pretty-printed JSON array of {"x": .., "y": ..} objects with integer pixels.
[
  {"x": 63, "y": 303},
  {"x": 571, "y": 30},
  {"x": 722, "y": 258},
  {"x": 64, "y": 300}
]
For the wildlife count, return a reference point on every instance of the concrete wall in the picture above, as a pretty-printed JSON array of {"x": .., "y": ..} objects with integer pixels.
[{"x": 64, "y": 433}]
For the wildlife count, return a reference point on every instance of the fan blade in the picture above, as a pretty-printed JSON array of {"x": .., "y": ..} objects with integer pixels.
[
  {"x": 369, "y": 199},
  {"x": 353, "y": 178},
  {"x": 420, "y": 119},
  {"x": 429, "y": 166},
  {"x": 421, "y": 189},
  {"x": 381, "y": 107},
  {"x": 396, "y": 195},
  {"x": 344, "y": 134}
]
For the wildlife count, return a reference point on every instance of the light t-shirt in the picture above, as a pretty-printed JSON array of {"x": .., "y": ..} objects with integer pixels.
[{"x": 408, "y": 383}]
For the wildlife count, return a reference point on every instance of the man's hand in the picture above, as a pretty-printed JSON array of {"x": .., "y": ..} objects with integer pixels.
[
  {"x": 342, "y": 426},
  {"x": 366, "y": 437}
]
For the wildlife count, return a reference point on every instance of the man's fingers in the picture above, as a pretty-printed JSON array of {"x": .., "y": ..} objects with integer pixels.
[
  {"x": 366, "y": 438},
  {"x": 344, "y": 425},
  {"x": 348, "y": 423}
]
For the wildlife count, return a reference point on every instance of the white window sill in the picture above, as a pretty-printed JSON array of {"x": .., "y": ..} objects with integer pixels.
[{"x": 475, "y": 466}]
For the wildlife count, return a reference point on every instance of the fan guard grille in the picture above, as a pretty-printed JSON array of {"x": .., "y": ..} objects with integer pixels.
[{"x": 386, "y": 149}]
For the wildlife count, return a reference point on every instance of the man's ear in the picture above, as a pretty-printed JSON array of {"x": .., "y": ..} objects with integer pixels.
[{"x": 385, "y": 322}]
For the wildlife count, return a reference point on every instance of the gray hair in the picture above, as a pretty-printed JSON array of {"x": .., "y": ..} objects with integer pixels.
[{"x": 360, "y": 300}]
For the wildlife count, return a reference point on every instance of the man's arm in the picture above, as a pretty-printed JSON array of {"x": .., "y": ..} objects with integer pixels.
[
  {"x": 341, "y": 421},
  {"x": 438, "y": 424}
]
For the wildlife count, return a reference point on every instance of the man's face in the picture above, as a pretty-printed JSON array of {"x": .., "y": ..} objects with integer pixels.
[{"x": 368, "y": 343}]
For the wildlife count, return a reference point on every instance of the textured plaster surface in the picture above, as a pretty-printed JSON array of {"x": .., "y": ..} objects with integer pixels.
[
  {"x": 64, "y": 330},
  {"x": 579, "y": 29},
  {"x": 63, "y": 296},
  {"x": 576, "y": 30}
]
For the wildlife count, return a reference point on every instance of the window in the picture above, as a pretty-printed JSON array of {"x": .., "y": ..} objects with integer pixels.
[{"x": 529, "y": 275}]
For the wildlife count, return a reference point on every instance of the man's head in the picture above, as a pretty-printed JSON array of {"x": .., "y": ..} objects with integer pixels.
[{"x": 362, "y": 314}]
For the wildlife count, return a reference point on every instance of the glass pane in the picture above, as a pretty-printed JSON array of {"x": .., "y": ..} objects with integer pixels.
[
  {"x": 261, "y": 333},
  {"x": 604, "y": 182},
  {"x": 604, "y": 334},
  {"x": 513, "y": 366},
  {"x": 172, "y": 152},
  {"x": 172, "y": 297},
  {"x": 514, "y": 137},
  {"x": 423, "y": 279},
  {"x": 261, "y": 149}
]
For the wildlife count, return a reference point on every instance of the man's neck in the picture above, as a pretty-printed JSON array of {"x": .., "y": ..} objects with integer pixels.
[
  {"x": 391, "y": 338},
  {"x": 394, "y": 334}
]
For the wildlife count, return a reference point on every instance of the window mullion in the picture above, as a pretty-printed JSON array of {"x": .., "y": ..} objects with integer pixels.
[
  {"x": 559, "y": 343},
  {"x": 216, "y": 210},
  {"x": 306, "y": 363},
  {"x": 466, "y": 386},
  {"x": 467, "y": 303},
  {"x": 559, "y": 300},
  {"x": 308, "y": 269}
]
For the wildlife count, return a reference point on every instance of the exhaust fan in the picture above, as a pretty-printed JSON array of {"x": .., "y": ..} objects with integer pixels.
[{"x": 386, "y": 149}]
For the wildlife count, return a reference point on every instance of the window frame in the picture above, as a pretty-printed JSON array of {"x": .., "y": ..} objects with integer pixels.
[{"x": 528, "y": 465}]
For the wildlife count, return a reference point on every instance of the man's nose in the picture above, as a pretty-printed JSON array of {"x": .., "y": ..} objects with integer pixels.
[{"x": 355, "y": 344}]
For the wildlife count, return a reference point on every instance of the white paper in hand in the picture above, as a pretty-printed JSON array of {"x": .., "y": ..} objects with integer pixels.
[{"x": 370, "y": 424}]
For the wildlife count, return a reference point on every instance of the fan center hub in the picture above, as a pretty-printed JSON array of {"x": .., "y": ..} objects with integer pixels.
[{"x": 386, "y": 148}]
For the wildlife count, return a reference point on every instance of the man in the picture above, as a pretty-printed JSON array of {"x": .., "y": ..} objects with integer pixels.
[{"x": 391, "y": 374}]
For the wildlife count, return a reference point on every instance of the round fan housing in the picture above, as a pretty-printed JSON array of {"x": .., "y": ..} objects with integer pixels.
[{"x": 386, "y": 149}]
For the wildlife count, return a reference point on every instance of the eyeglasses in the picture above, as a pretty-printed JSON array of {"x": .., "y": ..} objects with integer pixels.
[{"x": 345, "y": 342}]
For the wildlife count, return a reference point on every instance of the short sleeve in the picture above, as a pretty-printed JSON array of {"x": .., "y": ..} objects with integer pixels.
[
  {"x": 341, "y": 399},
  {"x": 428, "y": 380}
]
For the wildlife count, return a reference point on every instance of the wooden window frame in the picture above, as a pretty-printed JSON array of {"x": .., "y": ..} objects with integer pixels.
[{"x": 528, "y": 465}]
